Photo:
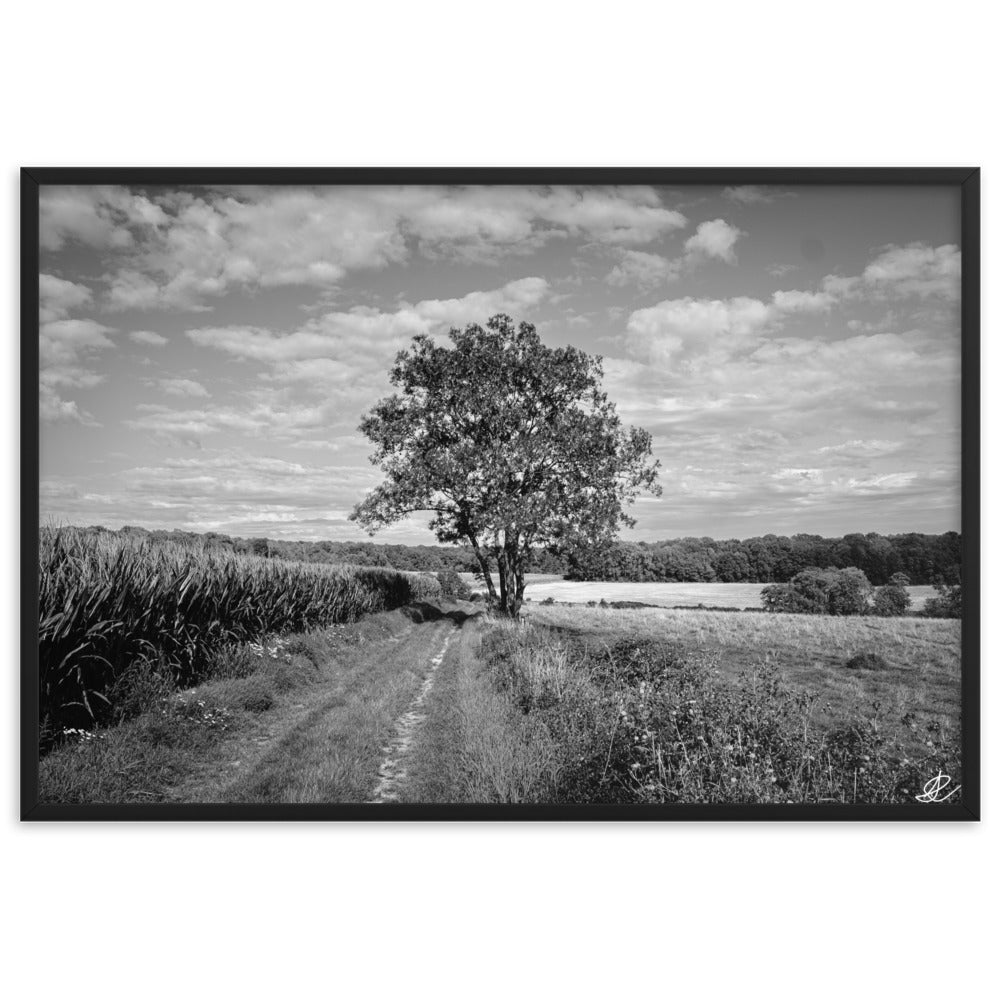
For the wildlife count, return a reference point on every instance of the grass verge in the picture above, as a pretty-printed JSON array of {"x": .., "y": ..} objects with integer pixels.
[
  {"x": 612, "y": 712},
  {"x": 298, "y": 719}
]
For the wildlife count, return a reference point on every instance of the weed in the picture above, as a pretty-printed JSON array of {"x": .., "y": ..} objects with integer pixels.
[{"x": 866, "y": 661}]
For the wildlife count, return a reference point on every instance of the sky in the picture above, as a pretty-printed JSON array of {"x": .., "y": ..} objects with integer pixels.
[{"x": 207, "y": 353}]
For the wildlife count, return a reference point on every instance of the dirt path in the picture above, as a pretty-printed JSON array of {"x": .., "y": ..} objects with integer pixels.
[
  {"x": 324, "y": 742},
  {"x": 393, "y": 770}
]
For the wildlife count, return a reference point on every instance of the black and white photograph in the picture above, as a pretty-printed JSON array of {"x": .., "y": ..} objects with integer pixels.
[{"x": 523, "y": 497}]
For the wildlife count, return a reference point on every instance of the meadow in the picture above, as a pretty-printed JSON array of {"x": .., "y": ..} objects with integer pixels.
[
  {"x": 115, "y": 611},
  {"x": 649, "y": 705},
  {"x": 542, "y": 586}
]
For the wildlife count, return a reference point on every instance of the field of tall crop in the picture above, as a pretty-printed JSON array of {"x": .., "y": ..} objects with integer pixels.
[{"x": 107, "y": 601}]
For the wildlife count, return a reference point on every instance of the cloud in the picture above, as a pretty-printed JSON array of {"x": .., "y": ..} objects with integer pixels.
[
  {"x": 64, "y": 341},
  {"x": 64, "y": 347},
  {"x": 363, "y": 332},
  {"x": 182, "y": 387},
  {"x": 754, "y": 194},
  {"x": 916, "y": 269},
  {"x": 780, "y": 270},
  {"x": 147, "y": 337},
  {"x": 58, "y": 297},
  {"x": 180, "y": 249},
  {"x": 644, "y": 270},
  {"x": 190, "y": 426},
  {"x": 677, "y": 327},
  {"x": 52, "y": 409},
  {"x": 803, "y": 302},
  {"x": 900, "y": 272},
  {"x": 799, "y": 475},
  {"x": 714, "y": 239},
  {"x": 102, "y": 217},
  {"x": 230, "y": 490},
  {"x": 859, "y": 448},
  {"x": 881, "y": 484}
]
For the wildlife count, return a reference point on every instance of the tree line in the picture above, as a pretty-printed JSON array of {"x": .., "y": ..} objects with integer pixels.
[{"x": 923, "y": 559}]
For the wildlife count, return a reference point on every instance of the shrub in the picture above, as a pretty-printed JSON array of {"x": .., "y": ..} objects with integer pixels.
[
  {"x": 452, "y": 585},
  {"x": 850, "y": 593},
  {"x": 891, "y": 601},
  {"x": 948, "y": 603},
  {"x": 815, "y": 591},
  {"x": 866, "y": 661}
]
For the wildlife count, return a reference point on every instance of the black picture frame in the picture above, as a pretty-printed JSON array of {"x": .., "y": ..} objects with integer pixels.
[{"x": 967, "y": 179}]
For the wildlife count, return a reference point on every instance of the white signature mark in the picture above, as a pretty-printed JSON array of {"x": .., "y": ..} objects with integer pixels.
[{"x": 934, "y": 788}]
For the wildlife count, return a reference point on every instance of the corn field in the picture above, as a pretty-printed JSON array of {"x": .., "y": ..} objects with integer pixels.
[{"x": 106, "y": 601}]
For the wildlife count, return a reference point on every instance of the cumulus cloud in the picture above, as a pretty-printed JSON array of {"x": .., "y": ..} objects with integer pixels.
[
  {"x": 916, "y": 269},
  {"x": 102, "y": 217},
  {"x": 754, "y": 194},
  {"x": 58, "y": 297},
  {"x": 900, "y": 272},
  {"x": 675, "y": 327},
  {"x": 713, "y": 240},
  {"x": 182, "y": 249},
  {"x": 644, "y": 270},
  {"x": 147, "y": 337},
  {"x": 65, "y": 347},
  {"x": 182, "y": 387},
  {"x": 52, "y": 408},
  {"x": 363, "y": 332},
  {"x": 716, "y": 238},
  {"x": 803, "y": 302},
  {"x": 65, "y": 341}
]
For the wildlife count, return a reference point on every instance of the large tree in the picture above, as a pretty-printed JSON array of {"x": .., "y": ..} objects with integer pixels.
[{"x": 511, "y": 444}]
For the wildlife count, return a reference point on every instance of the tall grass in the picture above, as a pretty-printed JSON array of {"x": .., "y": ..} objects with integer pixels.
[
  {"x": 637, "y": 719},
  {"x": 106, "y": 602}
]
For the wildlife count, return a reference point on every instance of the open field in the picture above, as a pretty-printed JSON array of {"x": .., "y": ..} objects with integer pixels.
[
  {"x": 540, "y": 586},
  {"x": 649, "y": 705},
  {"x": 923, "y": 656},
  {"x": 107, "y": 603}
]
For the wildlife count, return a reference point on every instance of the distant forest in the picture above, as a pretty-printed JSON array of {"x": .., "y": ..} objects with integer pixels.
[
  {"x": 924, "y": 559},
  {"x": 773, "y": 558}
]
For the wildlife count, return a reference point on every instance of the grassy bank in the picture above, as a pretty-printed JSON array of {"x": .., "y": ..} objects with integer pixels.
[
  {"x": 111, "y": 605},
  {"x": 922, "y": 657},
  {"x": 299, "y": 719},
  {"x": 598, "y": 706}
]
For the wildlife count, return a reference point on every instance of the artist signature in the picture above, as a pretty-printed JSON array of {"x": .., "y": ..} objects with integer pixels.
[{"x": 934, "y": 789}]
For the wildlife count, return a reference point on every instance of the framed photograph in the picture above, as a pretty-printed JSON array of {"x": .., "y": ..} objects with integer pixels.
[{"x": 514, "y": 494}]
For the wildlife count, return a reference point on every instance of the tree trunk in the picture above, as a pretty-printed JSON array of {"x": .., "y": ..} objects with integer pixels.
[
  {"x": 519, "y": 589},
  {"x": 504, "y": 574},
  {"x": 484, "y": 565},
  {"x": 511, "y": 579}
]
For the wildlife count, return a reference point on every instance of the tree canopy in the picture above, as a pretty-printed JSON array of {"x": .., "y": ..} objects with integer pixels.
[{"x": 511, "y": 445}]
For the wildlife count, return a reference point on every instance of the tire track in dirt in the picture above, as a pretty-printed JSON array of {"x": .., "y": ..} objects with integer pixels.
[{"x": 392, "y": 771}]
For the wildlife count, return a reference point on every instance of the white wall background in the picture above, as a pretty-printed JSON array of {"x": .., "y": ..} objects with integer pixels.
[{"x": 500, "y": 910}]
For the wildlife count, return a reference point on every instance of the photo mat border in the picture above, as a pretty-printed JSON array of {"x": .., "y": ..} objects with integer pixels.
[{"x": 967, "y": 179}]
